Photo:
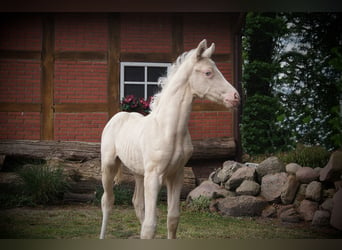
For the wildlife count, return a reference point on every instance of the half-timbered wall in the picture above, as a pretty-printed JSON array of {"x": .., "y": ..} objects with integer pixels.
[{"x": 60, "y": 73}]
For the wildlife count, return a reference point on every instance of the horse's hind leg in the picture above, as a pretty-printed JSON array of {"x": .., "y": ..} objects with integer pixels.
[
  {"x": 138, "y": 198},
  {"x": 109, "y": 167}
]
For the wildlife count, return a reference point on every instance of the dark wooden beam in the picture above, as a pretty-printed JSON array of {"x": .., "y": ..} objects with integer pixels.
[
  {"x": 113, "y": 86},
  {"x": 20, "y": 107},
  {"x": 47, "y": 73},
  {"x": 20, "y": 54},
  {"x": 145, "y": 57},
  {"x": 212, "y": 148},
  {"x": 177, "y": 36}
]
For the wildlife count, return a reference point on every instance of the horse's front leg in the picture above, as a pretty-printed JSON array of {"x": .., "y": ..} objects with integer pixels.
[
  {"x": 174, "y": 186},
  {"x": 152, "y": 184}
]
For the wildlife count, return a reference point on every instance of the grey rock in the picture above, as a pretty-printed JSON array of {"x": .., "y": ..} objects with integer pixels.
[
  {"x": 313, "y": 191},
  {"x": 269, "y": 212},
  {"x": 321, "y": 218},
  {"x": 292, "y": 168},
  {"x": 333, "y": 170},
  {"x": 290, "y": 215},
  {"x": 207, "y": 189},
  {"x": 229, "y": 167},
  {"x": 328, "y": 193},
  {"x": 248, "y": 188},
  {"x": 272, "y": 186},
  {"x": 307, "y": 209},
  {"x": 270, "y": 166},
  {"x": 241, "y": 174},
  {"x": 306, "y": 175},
  {"x": 327, "y": 205},
  {"x": 300, "y": 194},
  {"x": 289, "y": 190},
  {"x": 336, "y": 215},
  {"x": 241, "y": 206}
]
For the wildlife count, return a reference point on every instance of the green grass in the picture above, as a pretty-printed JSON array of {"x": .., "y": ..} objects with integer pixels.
[{"x": 84, "y": 221}]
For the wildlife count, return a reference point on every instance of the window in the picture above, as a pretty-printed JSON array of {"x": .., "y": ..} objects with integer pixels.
[{"x": 141, "y": 79}]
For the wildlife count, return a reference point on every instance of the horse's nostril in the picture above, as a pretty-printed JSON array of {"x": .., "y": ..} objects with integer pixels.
[{"x": 236, "y": 96}]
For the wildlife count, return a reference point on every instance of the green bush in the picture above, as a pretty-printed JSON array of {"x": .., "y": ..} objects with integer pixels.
[
  {"x": 313, "y": 156},
  {"x": 200, "y": 204},
  {"x": 43, "y": 184},
  {"x": 260, "y": 129}
]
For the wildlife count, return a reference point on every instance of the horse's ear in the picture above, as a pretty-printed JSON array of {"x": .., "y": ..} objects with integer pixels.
[
  {"x": 209, "y": 51},
  {"x": 202, "y": 46}
]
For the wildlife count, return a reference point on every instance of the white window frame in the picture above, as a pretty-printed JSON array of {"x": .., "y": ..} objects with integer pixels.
[{"x": 145, "y": 82}]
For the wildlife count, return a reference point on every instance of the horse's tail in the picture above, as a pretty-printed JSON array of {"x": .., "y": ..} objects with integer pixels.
[{"x": 118, "y": 176}]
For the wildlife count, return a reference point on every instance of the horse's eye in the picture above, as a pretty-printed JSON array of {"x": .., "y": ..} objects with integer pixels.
[{"x": 208, "y": 73}]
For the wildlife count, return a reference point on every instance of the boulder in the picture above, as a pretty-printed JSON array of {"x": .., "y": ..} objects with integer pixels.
[
  {"x": 241, "y": 174},
  {"x": 307, "y": 209},
  {"x": 333, "y": 170},
  {"x": 207, "y": 189},
  {"x": 336, "y": 215},
  {"x": 328, "y": 193},
  {"x": 321, "y": 218},
  {"x": 229, "y": 167},
  {"x": 314, "y": 191},
  {"x": 248, "y": 187},
  {"x": 300, "y": 194},
  {"x": 292, "y": 168},
  {"x": 213, "y": 176},
  {"x": 289, "y": 190},
  {"x": 243, "y": 205},
  {"x": 290, "y": 215},
  {"x": 269, "y": 212},
  {"x": 272, "y": 186},
  {"x": 327, "y": 205},
  {"x": 270, "y": 166},
  {"x": 306, "y": 175}
]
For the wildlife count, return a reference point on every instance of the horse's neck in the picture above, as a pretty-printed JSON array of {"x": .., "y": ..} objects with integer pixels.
[{"x": 174, "y": 110}]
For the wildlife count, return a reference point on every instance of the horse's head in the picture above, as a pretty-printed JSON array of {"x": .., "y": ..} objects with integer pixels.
[{"x": 206, "y": 81}]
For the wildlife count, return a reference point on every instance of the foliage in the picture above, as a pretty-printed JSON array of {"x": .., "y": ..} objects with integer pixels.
[
  {"x": 131, "y": 103},
  {"x": 260, "y": 128},
  {"x": 261, "y": 33},
  {"x": 43, "y": 184},
  {"x": 308, "y": 82},
  {"x": 313, "y": 156},
  {"x": 199, "y": 204}
]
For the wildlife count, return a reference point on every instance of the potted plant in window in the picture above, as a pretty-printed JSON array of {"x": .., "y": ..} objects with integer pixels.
[{"x": 130, "y": 103}]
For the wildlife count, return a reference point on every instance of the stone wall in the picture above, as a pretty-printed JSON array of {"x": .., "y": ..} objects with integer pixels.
[{"x": 291, "y": 192}]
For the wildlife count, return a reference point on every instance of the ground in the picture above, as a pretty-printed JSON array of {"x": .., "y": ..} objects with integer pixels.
[{"x": 83, "y": 221}]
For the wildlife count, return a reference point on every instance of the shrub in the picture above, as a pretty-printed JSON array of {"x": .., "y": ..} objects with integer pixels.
[
  {"x": 43, "y": 184},
  {"x": 260, "y": 129},
  {"x": 308, "y": 156},
  {"x": 200, "y": 204}
]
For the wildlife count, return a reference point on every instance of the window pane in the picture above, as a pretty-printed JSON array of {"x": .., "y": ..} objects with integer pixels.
[
  {"x": 134, "y": 74},
  {"x": 153, "y": 73},
  {"x": 134, "y": 89},
  {"x": 152, "y": 89}
]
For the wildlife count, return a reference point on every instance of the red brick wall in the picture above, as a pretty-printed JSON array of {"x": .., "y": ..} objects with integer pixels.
[
  {"x": 20, "y": 125},
  {"x": 80, "y": 82},
  {"x": 81, "y": 32},
  {"x": 84, "y": 81},
  {"x": 145, "y": 33},
  {"x": 79, "y": 126}
]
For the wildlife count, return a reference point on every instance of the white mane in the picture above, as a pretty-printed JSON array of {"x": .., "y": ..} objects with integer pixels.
[{"x": 163, "y": 81}]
